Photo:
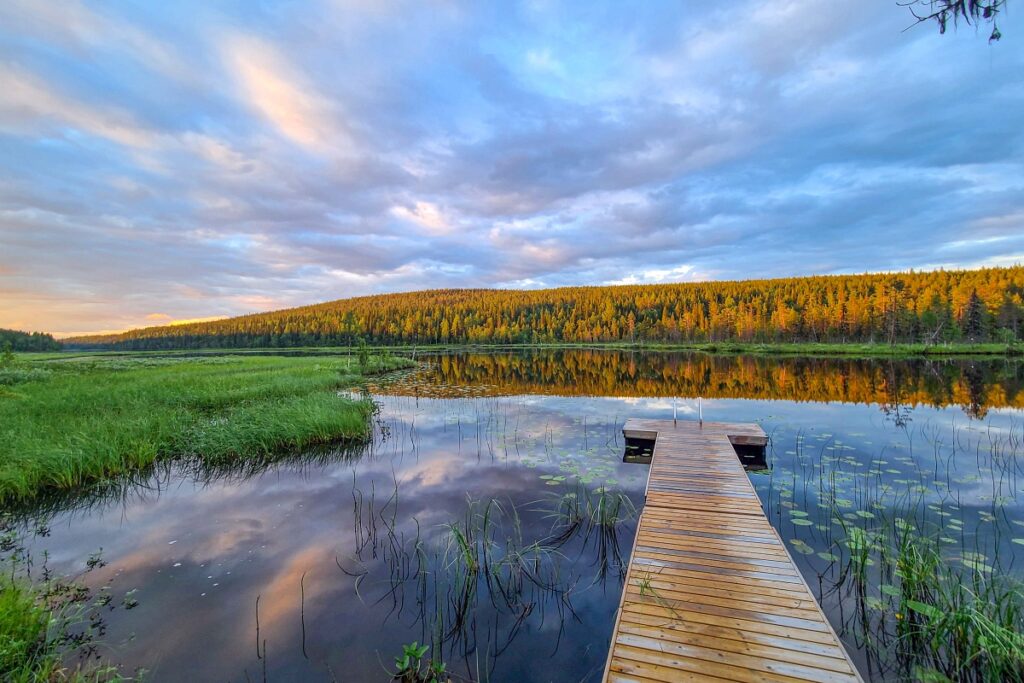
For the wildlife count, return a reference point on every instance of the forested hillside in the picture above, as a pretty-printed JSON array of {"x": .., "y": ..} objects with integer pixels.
[
  {"x": 932, "y": 307},
  {"x": 27, "y": 341}
]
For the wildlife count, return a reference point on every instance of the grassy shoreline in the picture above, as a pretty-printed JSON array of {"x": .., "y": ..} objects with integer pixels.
[
  {"x": 76, "y": 423},
  {"x": 848, "y": 349}
]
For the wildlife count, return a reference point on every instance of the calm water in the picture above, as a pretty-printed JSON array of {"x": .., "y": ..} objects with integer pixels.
[{"x": 323, "y": 566}]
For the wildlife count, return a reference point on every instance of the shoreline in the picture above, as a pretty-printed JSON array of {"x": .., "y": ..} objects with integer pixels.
[{"x": 810, "y": 349}]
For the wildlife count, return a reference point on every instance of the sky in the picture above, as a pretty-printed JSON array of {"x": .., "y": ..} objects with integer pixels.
[{"x": 176, "y": 161}]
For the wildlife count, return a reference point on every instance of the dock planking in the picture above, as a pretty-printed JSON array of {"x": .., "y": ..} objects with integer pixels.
[{"x": 711, "y": 592}]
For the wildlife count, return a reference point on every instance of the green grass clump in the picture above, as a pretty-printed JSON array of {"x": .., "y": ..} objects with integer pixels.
[
  {"x": 87, "y": 420},
  {"x": 260, "y": 431},
  {"x": 35, "y": 637},
  {"x": 17, "y": 375},
  {"x": 958, "y": 625},
  {"x": 22, "y": 634}
]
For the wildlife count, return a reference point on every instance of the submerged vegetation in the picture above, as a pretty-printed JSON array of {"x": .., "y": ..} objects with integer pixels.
[{"x": 72, "y": 423}]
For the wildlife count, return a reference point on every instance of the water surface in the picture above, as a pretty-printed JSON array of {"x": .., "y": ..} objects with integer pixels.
[{"x": 323, "y": 566}]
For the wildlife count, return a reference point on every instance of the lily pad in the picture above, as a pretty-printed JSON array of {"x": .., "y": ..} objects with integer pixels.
[{"x": 801, "y": 547}]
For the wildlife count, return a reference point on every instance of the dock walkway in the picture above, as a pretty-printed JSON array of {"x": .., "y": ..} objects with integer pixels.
[{"x": 711, "y": 592}]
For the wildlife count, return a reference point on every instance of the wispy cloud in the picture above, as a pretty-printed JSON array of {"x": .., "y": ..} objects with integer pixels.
[
  {"x": 283, "y": 95},
  {"x": 31, "y": 107}
]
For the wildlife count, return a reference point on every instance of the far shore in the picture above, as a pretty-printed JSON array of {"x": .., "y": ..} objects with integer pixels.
[{"x": 846, "y": 349}]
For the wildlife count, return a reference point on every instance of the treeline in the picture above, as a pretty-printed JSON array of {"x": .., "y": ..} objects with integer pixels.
[
  {"x": 27, "y": 341},
  {"x": 932, "y": 307}
]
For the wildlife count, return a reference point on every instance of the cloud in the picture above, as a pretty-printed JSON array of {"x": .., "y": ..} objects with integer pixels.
[
  {"x": 658, "y": 275},
  {"x": 283, "y": 95},
  {"x": 236, "y": 162},
  {"x": 72, "y": 26},
  {"x": 164, "y": 319},
  {"x": 30, "y": 106},
  {"x": 426, "y": 215}
]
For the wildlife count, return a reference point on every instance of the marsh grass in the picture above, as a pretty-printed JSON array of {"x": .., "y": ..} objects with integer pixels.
[{"x": 88, "y": 420}]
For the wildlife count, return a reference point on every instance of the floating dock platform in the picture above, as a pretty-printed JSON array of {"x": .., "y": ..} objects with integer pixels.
[{"x": 711, "y": 592}]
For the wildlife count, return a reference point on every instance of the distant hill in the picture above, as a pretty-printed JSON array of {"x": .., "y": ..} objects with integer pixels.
[
  {"x": 969, "y": 305},
  {"x": 28, "y": 341}
]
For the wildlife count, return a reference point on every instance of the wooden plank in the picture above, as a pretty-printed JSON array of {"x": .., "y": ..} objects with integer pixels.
[{"x": 711, "y": 592}]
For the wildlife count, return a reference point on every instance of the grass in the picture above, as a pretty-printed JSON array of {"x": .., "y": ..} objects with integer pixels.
[
  {"x": 66, "y": 424},
  {"x": 23, "y": 625}
]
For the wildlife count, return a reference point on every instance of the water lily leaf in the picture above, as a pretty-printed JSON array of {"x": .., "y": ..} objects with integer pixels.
[
  {"x": 874, "y": 603},
  {"x": 978, "y": 565},
  {"x": 799, "y": 521}
]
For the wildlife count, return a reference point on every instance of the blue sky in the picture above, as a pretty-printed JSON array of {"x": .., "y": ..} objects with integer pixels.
[{"x": 169, "y": 161}]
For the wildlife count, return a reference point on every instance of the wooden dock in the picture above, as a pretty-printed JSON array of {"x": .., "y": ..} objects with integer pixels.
[{"x": 711, "y": 592}]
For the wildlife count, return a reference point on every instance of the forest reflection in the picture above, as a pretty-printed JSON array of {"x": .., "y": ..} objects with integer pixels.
[{"x": 976, "y": 385}]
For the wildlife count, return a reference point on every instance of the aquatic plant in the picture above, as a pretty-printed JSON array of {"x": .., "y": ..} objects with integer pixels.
[
  {"x": 595, "y": 516},
  {"x": 963, "y": 624},
  {"x": 411, "y": 667},
  {"x": 478, "y": 565},
  {"x": 931, "y": 600}
]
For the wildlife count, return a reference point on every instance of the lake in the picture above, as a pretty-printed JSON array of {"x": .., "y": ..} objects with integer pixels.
[{"x": 492, "y": 515}]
